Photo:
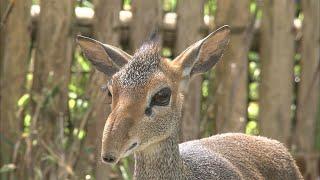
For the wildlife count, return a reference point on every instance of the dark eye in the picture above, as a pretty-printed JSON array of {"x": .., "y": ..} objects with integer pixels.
[{"x": 161, "y": 98}]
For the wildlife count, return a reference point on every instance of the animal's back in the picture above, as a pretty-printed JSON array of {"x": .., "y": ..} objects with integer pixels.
[{"x": 238, "y": 156}]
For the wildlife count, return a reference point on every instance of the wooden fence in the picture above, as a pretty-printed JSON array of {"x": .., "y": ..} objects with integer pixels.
[{"x": 50, "y": 129}]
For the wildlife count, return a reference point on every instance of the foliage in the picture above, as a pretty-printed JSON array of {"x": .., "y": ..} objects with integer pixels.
[
  {"x": 210, "y": 7},
  {"x": 35, "y": 1},
  {"x": 126, "y": 4},
  {"x": 169, "y": 5},
  {"x": 85, "y": 3},
  {"x": 253, "y": 93}
]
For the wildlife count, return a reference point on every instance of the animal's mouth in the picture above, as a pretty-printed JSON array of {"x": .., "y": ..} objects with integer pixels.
[{"x": 132, "y": 147}]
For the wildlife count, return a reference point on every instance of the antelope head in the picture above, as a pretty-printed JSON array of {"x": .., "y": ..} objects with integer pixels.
[{"x": 146, "y": 90}]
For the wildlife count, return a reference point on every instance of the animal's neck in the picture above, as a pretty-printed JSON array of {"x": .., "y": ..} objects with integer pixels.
[{"x": 160, "y": 161}]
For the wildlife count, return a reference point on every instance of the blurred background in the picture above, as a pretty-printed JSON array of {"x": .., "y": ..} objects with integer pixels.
[{"x": 53, "y": 111}]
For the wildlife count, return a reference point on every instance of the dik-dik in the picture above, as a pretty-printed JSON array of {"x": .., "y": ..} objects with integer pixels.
[{"x": 146, "y": 93}]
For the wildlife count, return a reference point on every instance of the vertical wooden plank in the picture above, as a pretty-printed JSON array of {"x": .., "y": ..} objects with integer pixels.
[
  {"x": 146, "y": 16},
  {"x": 106, "y": 23},
  {"x": 3, "y": 7},
  {"x": 51, "y": 77},
  {"x": 15, "y": 45},
  {"x": 277, "y": 52},
  {"x": 232, "y": 71},
  {"x": 190, "y": 20},
  {"x": 308, "y": 92},
  {"x": 54, "y": 54}
]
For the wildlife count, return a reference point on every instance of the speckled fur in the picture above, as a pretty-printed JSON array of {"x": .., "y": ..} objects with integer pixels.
[
  {"x": 225, "y": 156},
  {"x": 247, "y": 157},
  {"x": 201, "y": 163},
  {"x": 144, "y": 63},
  {"x": 158, "y": 155}
]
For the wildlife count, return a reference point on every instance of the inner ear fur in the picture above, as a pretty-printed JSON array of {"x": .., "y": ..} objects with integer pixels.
[
  {"x": 105, "y": 58},
  {"x": 204, "y": 54}
]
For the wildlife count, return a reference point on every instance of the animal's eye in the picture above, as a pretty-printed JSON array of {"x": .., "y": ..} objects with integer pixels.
[{"x": 161, "y": 98}]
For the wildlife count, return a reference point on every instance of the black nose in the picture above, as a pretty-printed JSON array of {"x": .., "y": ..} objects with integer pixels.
[{"x": 109, "y": 159}]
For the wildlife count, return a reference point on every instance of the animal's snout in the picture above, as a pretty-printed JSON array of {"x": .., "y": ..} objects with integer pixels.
[
  {"x": 109, "y": 158},
  {"x": 115, "y": 138}
]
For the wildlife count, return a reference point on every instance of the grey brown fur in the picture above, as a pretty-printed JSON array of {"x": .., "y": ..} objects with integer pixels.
[
  {"x": 144, "y": 63},
  {"x": 157, "y": 153},
  {"x": 225, "y": 156},
  {"x": 239, "y": 156}
]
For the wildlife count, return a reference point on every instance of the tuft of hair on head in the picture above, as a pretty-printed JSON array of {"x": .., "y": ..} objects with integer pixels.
[
  {"x": 151, "y": 46},
  {"x": 154, "y": 36}
]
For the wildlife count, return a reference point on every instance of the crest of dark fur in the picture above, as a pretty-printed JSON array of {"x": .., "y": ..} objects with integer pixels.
[{"x": 145, "y": 61}]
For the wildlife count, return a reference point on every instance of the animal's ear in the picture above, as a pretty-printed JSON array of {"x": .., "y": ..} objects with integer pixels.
[
  {"x": 105, "y": 58},
  {"x": 204, "y": 54}
]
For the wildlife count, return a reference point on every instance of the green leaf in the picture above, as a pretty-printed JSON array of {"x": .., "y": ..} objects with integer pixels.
[
  {"x": 253, "y": 56},
  {"x": 85, "y": 65},
  {"x": 253, "y": 7},
  {"x": 27, "y": 120},
  {"x": 297, "y": 70},
  {"x": 35, "y": 2},
  {"x": 125, "y": 169},
  {"x": 81, "y": 134},
  {"x": 169, "y": 5},
  {"x": 71, "y": 103},
  {"x": 253, "y": 110},
  {"x": 210, "y": 7},
  {"x": 72, "y": 95},
  {"x": 126, "y": 4},
  {"x": 205, "y": 88},
  {"x": 254, "y": 91},
  {"x": 252, "y": 128},
  {"x": 24, "y": 100},
  {"x": 166, "y": 52}
]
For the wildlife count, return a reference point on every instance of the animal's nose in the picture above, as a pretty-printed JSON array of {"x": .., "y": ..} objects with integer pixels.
[{"x": 109, "y": 158}]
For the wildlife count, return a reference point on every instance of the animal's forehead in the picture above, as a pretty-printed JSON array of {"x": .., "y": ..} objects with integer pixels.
[
  {"x": 144, "y": 63},
  {"x": 140, "y": 91}
]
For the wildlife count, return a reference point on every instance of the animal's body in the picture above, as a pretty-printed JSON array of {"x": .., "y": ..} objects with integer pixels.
[
  {"x": 224, "y": 156},
  {"x": 238, "y": 156},
  {"x": 147, "y": 93}
]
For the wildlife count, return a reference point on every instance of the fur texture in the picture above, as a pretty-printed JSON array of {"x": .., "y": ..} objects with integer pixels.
[
  {"x": 241, "y": 156},
  {"x": 153, "y": 136},
  {"x": 225, "y": 156},
  {"x": 144, "y": 63}
]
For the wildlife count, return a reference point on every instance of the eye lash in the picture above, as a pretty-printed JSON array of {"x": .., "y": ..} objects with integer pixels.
[{"x": 162, "y": 89}]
